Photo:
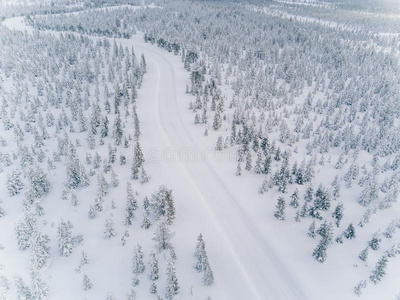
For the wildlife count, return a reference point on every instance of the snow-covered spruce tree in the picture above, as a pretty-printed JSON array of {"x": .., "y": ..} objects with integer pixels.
[
  {"x": 319, "y": 252},
  {"x": 153, "y": 267},
  {"x": 326, "y": 232},
  {"x": 14, "y": 183},
  {"x": 219, "y": 146},
  {"x": 208, "y": 275},
  {"x": 73, "y": 173},
  {"x": 162, "y": 235},
  {"x": 162, "y": 204},
  {"x": 380, "y": 270},
  {"x": 83, "y": 262},
  {"x": 350, "y": 232},
  {"x": 311, "y": 230},
  {"x": 202, "y": 264},
  {"x": 322, "y": 199},
  {"x": 370, "y": 191},
  {"x": 39, "y": 288},
  {"x": 199, "y": 253},
  {"x": 359, "y": 286},
  {"x": 258, "y": 168},
  {"x": 153, "y": 288},
  {"x": 308, "y": 196},
  {"x": 131, "y": 204},
  {"x": 138, "y": 160},
  {"x": 338, "y": 214},
  {"x": 114, "y": 179},
  {"x": 138, "y": 266},
  {"x": 39, "y": 183},
  {"x": 64, "y": 237},
  {"x": 24, "y": 230},
  {"x": 143, "y": 175},
  {"x": 146, "y": 223},
  {"x": 294, "y": 199},
  {"x": 92, "y": 212},
  {"x": 23, "y": 290},
  {"x": 117, "y": 130},
  {"x": 239, "y": 169},
  {"x": 280, "y": 209},
  {"x": 374, "y": 243},
  {"x": 364, "y": 254},
  {"x": 87, "y": 284},
  {"x": 102, "y": 185},
  {"x": 40, "y": 250},
  {"x": 172, "y": 285},
  {"x": 109, "y": 232}
]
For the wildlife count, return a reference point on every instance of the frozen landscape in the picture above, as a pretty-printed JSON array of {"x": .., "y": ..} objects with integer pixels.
[{"x": 181, "y": 149}]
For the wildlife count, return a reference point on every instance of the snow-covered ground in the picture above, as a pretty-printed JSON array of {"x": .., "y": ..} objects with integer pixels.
[
  {"x": 242, "y": 255},
  {"x": 251, "y": 253}
]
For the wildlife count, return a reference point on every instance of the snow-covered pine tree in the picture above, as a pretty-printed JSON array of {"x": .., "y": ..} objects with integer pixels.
[
  {"x": 143, "y": 175},
  {"x": 162, "y": 235},
  {"x": 208, "y": 275},
  {"x": 359, "y": 286},
  {"x": 380, "y": 270},
  {"x": 338, "y": 214},
  {"x": 87, "y": 284},
  {"x": 364, "y": 254},
  {"x": 162, "y": 204},
  {"x": 114, "y": 179},
  {"x": 131, "y": 204},
  {"x": 64, "y": 236},
  {"x": 350, "y": 232},
  {"x": 374, "y": 243},
  {"x": 294, "y": 199},
  {"x": 39, "y": 288},
  {"x": 319, "y": 252},
  {"x": 280, "y": 209},
  {"x": 117, "y": 130},
  {"x": 23, "y": 290},
  {"x": 138, "y": 266},
  {"x": 110, "y": 229},
  {"x": 172, "y": 285},
  {"x": 40, "y": 250},
  {"x": 14, "y": 183},
  {"x": 311, "y": 230},
  {"x": 322, "y": 199},
  {"x": 146, "y": 223},
  {"x": 39, "y": 183}
]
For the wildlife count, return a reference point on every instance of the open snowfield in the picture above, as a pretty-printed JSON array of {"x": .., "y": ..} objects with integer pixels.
[{"x": 252, "y": 254}]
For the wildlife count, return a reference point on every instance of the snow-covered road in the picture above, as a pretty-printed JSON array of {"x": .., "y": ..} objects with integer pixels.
[{"x": 249, "y": 263}]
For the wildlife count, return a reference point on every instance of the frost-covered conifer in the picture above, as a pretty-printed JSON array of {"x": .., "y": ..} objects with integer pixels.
[
  {"x": 162, "y": 235},
  {"x": 110, "y": 229},
  {"x": 280, "y": 209},
  {"x": 338, "y": 214},
  {"x": 350, "y": 232},
  {"x": 172, "y": 285},
  {"x": 138, "y": 266},
  {"x": 87, "y": 284},
  {"x": 64, "y": 237},
  {"x": 131, "y": 204},
  {"x": 14, "y": 183},
  {"x": 153, "y": 267},
  {"x": 319, "y": 252},
  {"x": 294, "y": 199},
  {"x": 380, "y": 270},
  {"x": 40, "y": 250},
  {"x": 311, "y": 230}
]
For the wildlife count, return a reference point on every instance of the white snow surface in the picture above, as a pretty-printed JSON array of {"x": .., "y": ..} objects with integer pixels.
[{"x": 253, "y": 255}]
